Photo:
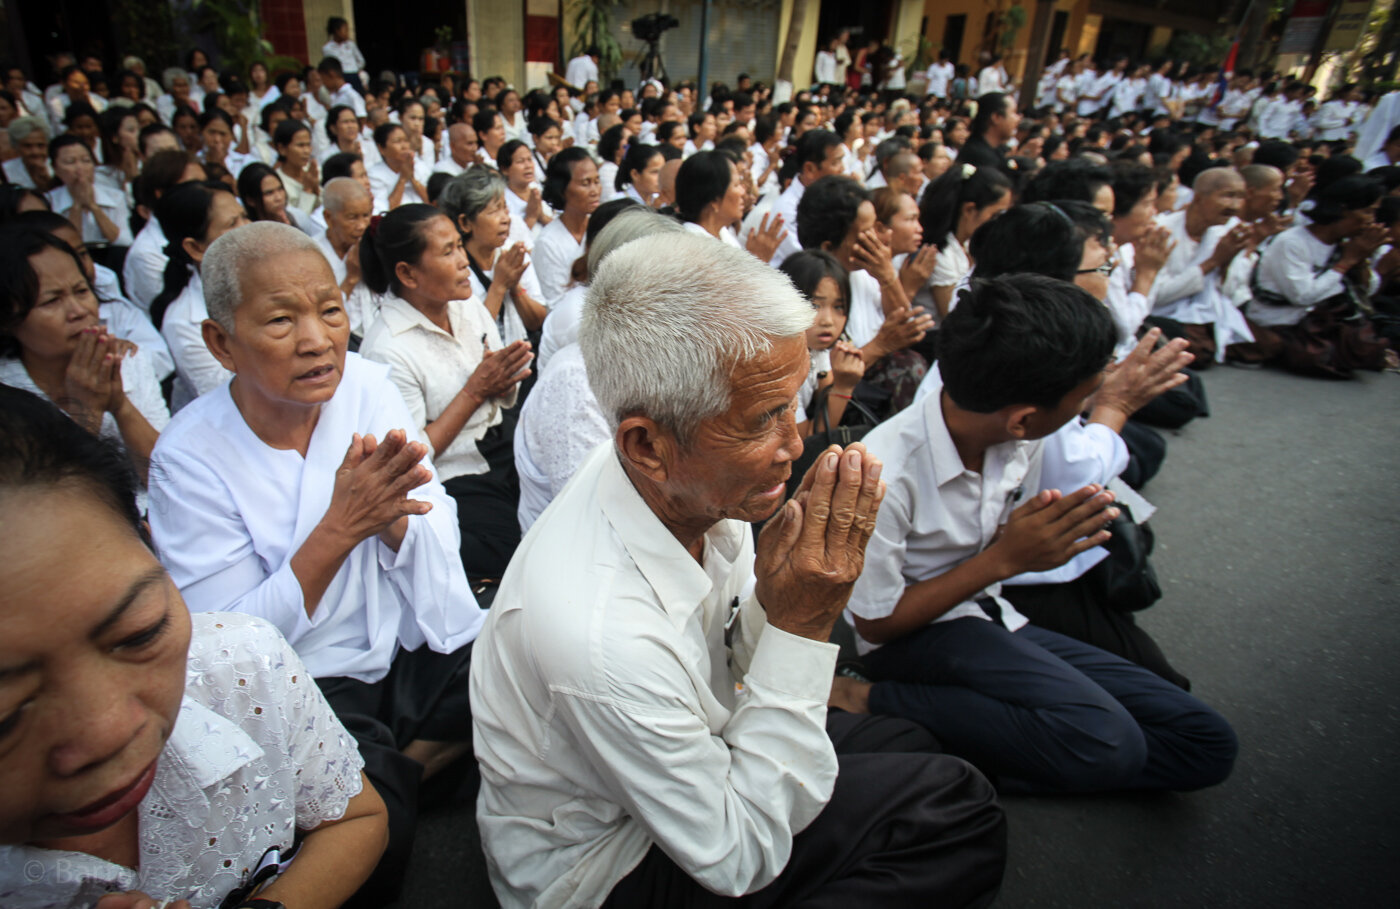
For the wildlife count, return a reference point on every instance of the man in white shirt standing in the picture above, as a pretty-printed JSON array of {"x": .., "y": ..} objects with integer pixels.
[
  {"x": 939, "y": 75},
  {"x": 300, "y": 492},
  {"x": 1284, "y": 114},
  {"x": 621, "y": 763},
  {"x": 583, "y": 69}
]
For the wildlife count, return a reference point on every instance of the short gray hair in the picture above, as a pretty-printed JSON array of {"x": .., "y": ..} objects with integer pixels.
[
  {"x": 470, "y": 192},
  {"x": 170, "y": 74},
  {"x": 340, "y": 192},
  {"x": 630, "y": 224},
  {"x": 667, "y": 319},
  {"x": 238, "y": 252},
  {"x": 20, "y": 128}
]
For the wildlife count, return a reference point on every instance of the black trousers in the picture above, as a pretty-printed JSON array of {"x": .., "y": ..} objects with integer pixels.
[
  {"x": 1174, "y": 409},
  {"x": 486, "y": 507},
  {"x": 424, "y": 696},
  {"x": 1076, "y": 609},
  {"x": 904, "y": 827},
  {"x": 1146, "y": 452}
]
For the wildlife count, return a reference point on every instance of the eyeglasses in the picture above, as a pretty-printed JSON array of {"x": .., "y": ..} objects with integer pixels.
[{"x": 1105, "y": 269}]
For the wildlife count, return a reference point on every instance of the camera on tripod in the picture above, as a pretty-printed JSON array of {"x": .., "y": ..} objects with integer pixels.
[{"x": 649, "y": 27}]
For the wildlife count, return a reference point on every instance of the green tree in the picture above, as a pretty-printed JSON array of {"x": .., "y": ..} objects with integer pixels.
[
  {"x": 238, "y": 31},
  {"x": 592, "y": 26}
]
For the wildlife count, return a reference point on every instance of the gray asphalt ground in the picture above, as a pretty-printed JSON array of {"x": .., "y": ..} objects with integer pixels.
[{"x": 1277, "y": 545}]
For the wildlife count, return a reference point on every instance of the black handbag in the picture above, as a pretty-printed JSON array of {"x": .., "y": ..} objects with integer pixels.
[
  {"x": 825, "y": 435},
  {"x": 1127, "y": 581}
]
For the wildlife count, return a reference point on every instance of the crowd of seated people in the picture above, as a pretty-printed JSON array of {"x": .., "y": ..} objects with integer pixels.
[{"x": 752, "y": 486}]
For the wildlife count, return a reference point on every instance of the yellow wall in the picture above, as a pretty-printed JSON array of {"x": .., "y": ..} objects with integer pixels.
[
  {"x": 977, "y": 11},
  {"x": 806, "y": 47},
  {"x": 496, "y": 32},
  {"x": 316, "y": 12}
]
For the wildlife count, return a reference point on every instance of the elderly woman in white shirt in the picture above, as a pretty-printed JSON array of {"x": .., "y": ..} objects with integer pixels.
[
  {"x": 192, "y": 747},
  {"x": 503, "y": 279},
  {"x": 99, "y": 212},
  {"x": 399, "y": 177},
  {"x": 300, "y": 492},
  {"x": 572, "y": 188},
  {"x": 447, "y": 360}
]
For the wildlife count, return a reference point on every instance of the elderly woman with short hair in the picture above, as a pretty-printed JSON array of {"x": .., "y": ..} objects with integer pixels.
[
  {"x": 30, "y": 138},
  {"x": 300, "y": 492},
  {"x": 634, "y": 704},
  {"x": 502, "y": 278}
]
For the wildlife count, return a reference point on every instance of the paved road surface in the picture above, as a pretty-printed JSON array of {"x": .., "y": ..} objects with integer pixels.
[{"x": 1278, "y": 542}]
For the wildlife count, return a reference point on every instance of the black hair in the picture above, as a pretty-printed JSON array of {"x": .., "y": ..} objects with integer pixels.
[
  {"x": 209, "y": 116},
  {"x": 1389, "y": 176},
  {"x": 1389, "y": 211},
  {"x": 283, "y": 104},
  {"x": 810, "y": 149},
  {"x": 338, "y": 165},
  {"x": 827, "y": 211},
  {"x": 42, "y": 445},
  {"x": 1076, "y": 178},
  {"x": 1131, "y": 182},
  {"x": 1330, "y": 171},
  {"x": 19, "y": 285},
  {"x": 540, "y": 125},
  {"x": 79, "y": 109},
  {"x": 669, "y": 152},
  {"x": 394, "y": 238},
  {"x": 988, "y": 105},
  {"x": 559, "y": 174},
  {"x": 942, "y": 203},
  {"x": 1276, "y": 153},
  {"x": 62, "y": 141},
  {"x": 637, "y": 158},
  {"x": 10, "y": 197},
  {"x": 161, "y": 172},
  {"x": 383, "y": 131},
  {"x": 484, "y": 119},
  {"x": 1196, "y": 164},
  {"x": 287, "y": 131},
  {"x": 1342, "y": 196},
  {"x": 666, "y": 130},
  {"x": 1045, "y": 238},
  {"x": 437, "y": 181},
  {"x": 250, "y": 181},
  {"x": 330, "y": 66},
  {"x": 703, "y": 178},
  {"x": 506, "y": 152},
  {"x": 808, "y": 268},
  {"x": 153, "y": 129},
  {"x": 333, "y": 116},
  {"x": 183, "y": 214},
  {"x": 1021, "y": 339},
  {"x": 610, "y": 142}
]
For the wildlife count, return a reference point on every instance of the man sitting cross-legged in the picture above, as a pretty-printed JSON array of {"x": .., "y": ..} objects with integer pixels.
[
  {"x": 1040, "y": 712},
  {"x": 648, "y": 733}
]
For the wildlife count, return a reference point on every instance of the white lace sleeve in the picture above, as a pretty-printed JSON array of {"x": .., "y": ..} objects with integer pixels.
[{"x": 256, "y": 680}]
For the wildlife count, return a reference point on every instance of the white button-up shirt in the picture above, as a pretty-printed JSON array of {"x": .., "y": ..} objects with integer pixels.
[
  {"x": 936, "y": 514},
  {"x": 1187, "y": 294},
  {"x": 1295, "y": 266},
  {"x": 143, "y": 272},
  {"x": 554, "y": 255},
  {"x": 256, "y": 754},
  {"x": 611, "y": 714},
  {"x": 228, "y": 513},
  {"x": 787, "y": 207},
  {"x": 113, "y": 205},
  {"x": 197, "y": 372},
  {"x": 430, "y": 367}
]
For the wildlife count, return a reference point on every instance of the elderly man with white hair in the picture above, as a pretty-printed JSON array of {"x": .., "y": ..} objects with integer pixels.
[
  {"x": 348, "y": 206},
  {"x": 650, "y": 732},
  {"x": 299, "y": 492}
]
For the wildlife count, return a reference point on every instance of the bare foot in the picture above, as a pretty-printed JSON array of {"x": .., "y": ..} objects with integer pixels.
[{"x": 850, "y": 695}]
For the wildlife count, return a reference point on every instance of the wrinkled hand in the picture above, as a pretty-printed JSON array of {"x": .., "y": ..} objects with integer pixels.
[
  {"x": 903, "y": 328},
  {"x": 874, "y": 256},
  {"x": 372, "y": 485},
  {"x": 920, "y": 264},
  {"x": 847, "y": 366},
  {"x": 1269, "y": 225},
  {"x": 135, "y": 899},
  {"x": 1144, "y": 374},
  {"x": 500, "y": 370},
  {"x": 93, "y": 381},
  {"x": 812, "y": 551},
  {"x": 1230, "y": 245},
  {"x": 1053, "y": 528},
  {"x": 764, "y": 240},
  {"x": 311, "y": 178},
  {"x": 510, "y": 266},
  {"x": 1152, "y": 249}
]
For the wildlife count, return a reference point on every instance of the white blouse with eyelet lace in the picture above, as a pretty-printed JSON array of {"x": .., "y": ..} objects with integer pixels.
[{"x": 256, "y": 754}]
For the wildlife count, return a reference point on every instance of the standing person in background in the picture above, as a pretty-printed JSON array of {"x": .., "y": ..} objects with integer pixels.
[
  {"x": 343, "y": 48},
  {"x": 583, "y": 68}
]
